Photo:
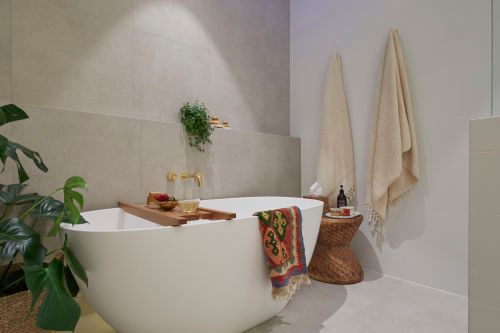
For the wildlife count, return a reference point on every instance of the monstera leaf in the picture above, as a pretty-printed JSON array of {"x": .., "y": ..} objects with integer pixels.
[
  {"x": 70, "y": 281},
  {"x": 10, "y": 113},
  {"x": 8, "y": 149},
  {"x": 51, "y": 209},
  {"x": 11, "y": 195},
  {"x": 72, "y": 197},
  {"x": 58, "y": 311},
  {"x": 17, "y": 236},
  {"x": 73, "y": 263}
]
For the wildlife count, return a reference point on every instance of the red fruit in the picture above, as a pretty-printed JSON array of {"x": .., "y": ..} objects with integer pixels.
[{"x": 162, "y": 197}]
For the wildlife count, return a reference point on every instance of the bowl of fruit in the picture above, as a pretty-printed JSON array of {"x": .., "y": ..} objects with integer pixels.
[{"x": 165, "y": 201}]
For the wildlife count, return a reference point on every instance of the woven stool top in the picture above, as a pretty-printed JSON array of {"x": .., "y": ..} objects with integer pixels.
[
  {"x": 338, "y": 232},
  {"x": 355, "y": 219}
]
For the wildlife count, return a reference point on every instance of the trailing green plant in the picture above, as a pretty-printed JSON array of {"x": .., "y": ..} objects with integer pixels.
[
  {"x": 196, "y": 121},
  {"x": 20, "y": 240}
]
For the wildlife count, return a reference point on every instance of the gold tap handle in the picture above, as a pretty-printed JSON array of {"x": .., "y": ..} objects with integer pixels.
[{"x": 171, "y": 176}]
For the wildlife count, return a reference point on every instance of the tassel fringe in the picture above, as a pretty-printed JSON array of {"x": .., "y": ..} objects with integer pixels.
[
  {"x": 377, "y": 223},
  {"x": 286, "y": 293}
]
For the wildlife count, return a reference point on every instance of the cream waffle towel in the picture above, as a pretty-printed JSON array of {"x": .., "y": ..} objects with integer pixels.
[
  {"x": 393, "y": 161},
  {"x": 336, "y": 157}
]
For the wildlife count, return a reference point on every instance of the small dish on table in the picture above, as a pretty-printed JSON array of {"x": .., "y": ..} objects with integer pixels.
[
  {"x": 165, "y": 202},
  {"x": 167, "y": 205},
  {"x": 342, "y": 213}
]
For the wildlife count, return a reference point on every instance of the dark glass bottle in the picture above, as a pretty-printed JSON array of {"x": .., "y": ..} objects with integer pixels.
[{"x": 341, "y": 198}]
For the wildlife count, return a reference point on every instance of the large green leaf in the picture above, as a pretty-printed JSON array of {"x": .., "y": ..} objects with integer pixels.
[
  {"x": 11, "y": 195},
  {"x": 58, "y": 311},
  {"x": 73, "y": 262},
  {"x": 17, "y": 236},
  {"x": 11, "y": 112},
  {"x": 8, "y": 149},
  {"x": 56, "y": 211},
  {"x": 51, "y": 209},
  {"x": 70, "y": 281},
  {"x": 72, "y": 197}
]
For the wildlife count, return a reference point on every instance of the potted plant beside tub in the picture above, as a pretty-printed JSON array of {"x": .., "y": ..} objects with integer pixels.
[{"x": 34, "y": 280}]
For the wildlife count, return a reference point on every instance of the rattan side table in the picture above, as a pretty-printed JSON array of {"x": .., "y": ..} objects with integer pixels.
[{"x": 333, "y": 260}]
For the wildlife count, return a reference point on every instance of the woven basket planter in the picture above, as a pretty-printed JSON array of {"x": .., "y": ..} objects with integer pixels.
[{"x": 13, "y": 311}]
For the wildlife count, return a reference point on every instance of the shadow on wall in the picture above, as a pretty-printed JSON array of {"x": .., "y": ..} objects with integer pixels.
[
  {"x": 363, "y": 248},
  {"x": 221, "y": 52},
  {"x": 410, "y": 213}
]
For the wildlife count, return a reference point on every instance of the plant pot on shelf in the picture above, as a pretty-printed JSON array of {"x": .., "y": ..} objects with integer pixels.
[{"x": 15, "y": 307}]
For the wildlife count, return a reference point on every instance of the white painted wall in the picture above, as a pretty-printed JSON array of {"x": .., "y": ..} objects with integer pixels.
[{"x": 447, "y": 45}]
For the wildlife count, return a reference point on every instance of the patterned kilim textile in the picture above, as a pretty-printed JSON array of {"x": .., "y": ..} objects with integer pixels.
[{"x": 281, "y": 231}]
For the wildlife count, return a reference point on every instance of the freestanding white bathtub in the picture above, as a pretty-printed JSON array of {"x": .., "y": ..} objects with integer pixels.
[{"x": 206, "y": 276}]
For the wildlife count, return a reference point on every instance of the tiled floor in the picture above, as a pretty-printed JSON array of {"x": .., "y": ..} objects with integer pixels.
[{"x": 378, "y": 304}]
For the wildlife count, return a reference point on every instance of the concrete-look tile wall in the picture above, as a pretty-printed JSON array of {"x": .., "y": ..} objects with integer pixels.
[
  {"x": 125, "y": 158},
  {"x": 103, "y": 82},
  {"x": 144, "y": 58},
  {"x": 484, "y": 225},
  {"x": 5, "y": 52}
]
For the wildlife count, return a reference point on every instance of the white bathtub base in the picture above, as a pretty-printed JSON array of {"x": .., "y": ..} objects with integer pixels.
[{"x": 206, "y": 277}]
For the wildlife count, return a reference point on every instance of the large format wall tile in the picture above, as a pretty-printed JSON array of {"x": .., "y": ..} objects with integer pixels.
[
  {"x": 232, "y": 29},
  {"x": 239, "y": 30},
  {"x": 117, "y": 11},
  {"x": 276, "y": 119},
  {"x": 278, "y": 36},
  {"x": 68, "y": 59},
  {"x": 84, "y": 56},
  {"x": 245, "y": 164},
  {"x": 238, "y": 93},
  {"x": 167, "y": 74},
  {"x": 161, "y": 152},
  {"x": 236, "y": 164},
  {"x": 102, "y": 149},
  {"x": 5, "y": 52},
  {"x": 484, "y": 229},
  {"x": 484, "y": 214},
  {"x": 184, "y": 21},
  {"x": 483, "y": 318},
  {"x": 484, "y": 134}
]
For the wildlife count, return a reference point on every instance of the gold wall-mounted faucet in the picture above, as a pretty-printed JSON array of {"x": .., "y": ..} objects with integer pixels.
[
  {"x": 171, "y": 176},
  {"x": 198, "y": 178}
]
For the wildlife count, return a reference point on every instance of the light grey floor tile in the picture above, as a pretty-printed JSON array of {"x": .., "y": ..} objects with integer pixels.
[{"x": 378, "y": 304}]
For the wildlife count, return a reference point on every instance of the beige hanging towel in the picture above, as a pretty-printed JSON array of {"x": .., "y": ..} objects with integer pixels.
[
  {"x": 336, "y": 156},
  {"x": 393, "y": 162}
]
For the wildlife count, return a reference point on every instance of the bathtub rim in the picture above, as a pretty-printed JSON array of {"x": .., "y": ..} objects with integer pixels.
[{"x": 67, "y": 227}]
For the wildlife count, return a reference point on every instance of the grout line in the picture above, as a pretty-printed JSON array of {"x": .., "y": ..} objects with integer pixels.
[
  {"x": 153, "y": 120},
  {"x": 414, "y": 283},
  {"x": 140, "y": 161},
  {"x": 492, "y": 64}
]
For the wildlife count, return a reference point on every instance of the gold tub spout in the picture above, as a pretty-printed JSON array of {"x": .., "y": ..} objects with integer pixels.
[{"x": 198, "y": 178}]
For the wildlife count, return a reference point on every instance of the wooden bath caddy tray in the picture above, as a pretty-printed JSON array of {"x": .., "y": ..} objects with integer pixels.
[{"x": 174, "y": 217}]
